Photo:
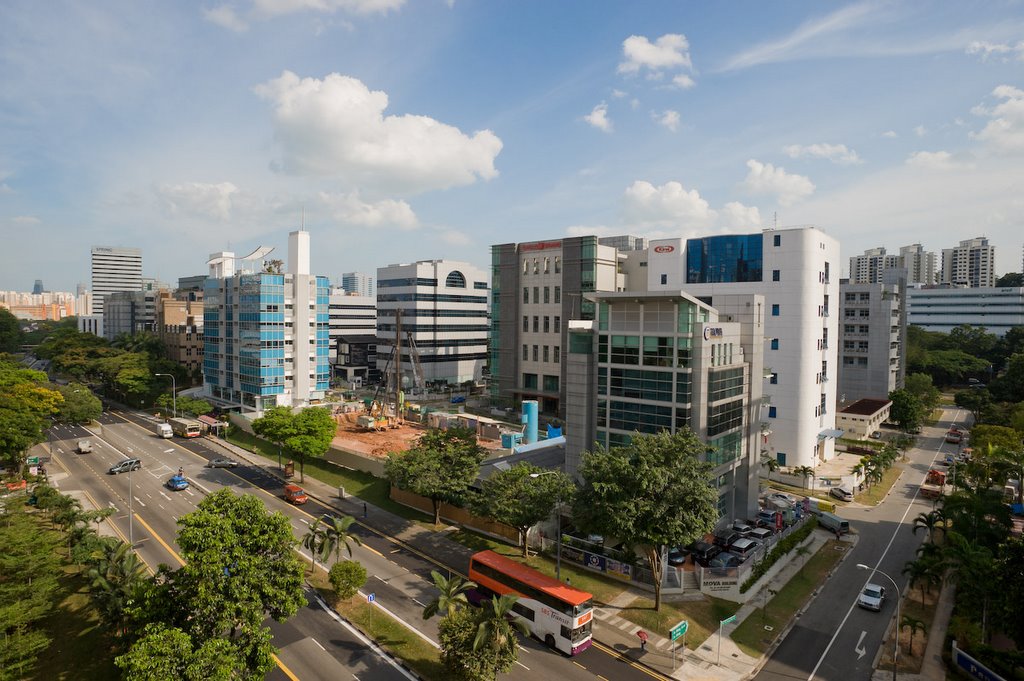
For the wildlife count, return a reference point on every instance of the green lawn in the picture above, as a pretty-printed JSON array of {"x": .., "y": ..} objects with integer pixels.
[
  {"x": 751, "y": 635},
  {"x": 80, "y": 649},
  {"x": 873, "y": 496},
  {"x": 703, "y": 616}
]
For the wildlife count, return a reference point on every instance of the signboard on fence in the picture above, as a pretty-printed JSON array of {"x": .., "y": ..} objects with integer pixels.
[
  {"x": 598, "y": 563},
  {"x": 972, "y": 667}
]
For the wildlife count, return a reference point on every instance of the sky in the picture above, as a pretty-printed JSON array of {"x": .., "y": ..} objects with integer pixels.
[{"x": 402, "y": 130}]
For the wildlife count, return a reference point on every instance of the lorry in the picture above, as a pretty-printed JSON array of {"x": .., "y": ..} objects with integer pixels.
[
  {"x": 186, "y": 427},
  {"x": 934, "y": 485},
  {"x": 84, "y": 446},
  {"x": 954, "y": 436},
  {"x": 163, "y": 430}
]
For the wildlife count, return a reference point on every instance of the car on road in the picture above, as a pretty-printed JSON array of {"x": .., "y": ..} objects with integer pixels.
[
  {"x": 177, "y": 483},
  {"x": 84, "y": 446},
  {"x": 872, "y": 597},
  {"x": 222, "y": 463},
  {"x": 294, "y": 494},
  {"x": 125, "y": 466},
  {"x": 841, "y": 493}
]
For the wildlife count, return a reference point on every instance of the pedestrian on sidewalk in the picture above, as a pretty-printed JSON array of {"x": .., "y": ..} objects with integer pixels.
[
  {"x": 643, "y": 639},
  {"x": 364, "y": 509}
]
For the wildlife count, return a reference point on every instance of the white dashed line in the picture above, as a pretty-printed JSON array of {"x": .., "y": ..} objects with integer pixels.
[
  {"x": 140, "y": 502},
  {"x": 318, "y": 644}
]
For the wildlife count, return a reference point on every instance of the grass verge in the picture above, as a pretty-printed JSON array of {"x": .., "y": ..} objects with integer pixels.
[
  {"x": 751, "y": 635},
  {"x": 874, "y": 495},
  {"x": 911, "y": 659},
  {"x": 703, "y": 616},
  {"x": 386, "y": 631}
]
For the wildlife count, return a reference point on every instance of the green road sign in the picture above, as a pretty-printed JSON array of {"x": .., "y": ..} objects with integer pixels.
[
  {"x": 679, "y": 630},
  {"x": 729, "y": 620},
  {"x": 32, "y": 461}
]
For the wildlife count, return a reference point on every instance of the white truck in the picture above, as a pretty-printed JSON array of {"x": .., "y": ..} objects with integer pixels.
[{"x": 163, "y": 430}]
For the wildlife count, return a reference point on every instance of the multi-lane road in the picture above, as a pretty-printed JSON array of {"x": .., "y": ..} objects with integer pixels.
[
  {"x": 834, "y": 640},
  {"x": 314, "y": 644}
]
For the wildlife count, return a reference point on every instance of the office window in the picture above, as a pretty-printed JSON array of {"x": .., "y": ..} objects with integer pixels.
[
  {"x": 536, "y": 294},
  {"x": 547, "y": 324},
  {"x": 664, "y": 279},
  {"x": 551, "y": 384},
  {"x": 536, "y": 354},
  {"x": 536, "y": 266},
  {"x": 775, "y": 275},
  {"x": 547, "y": 294},
  {"x": 777, "y": 240},
  {"x": 772, "y": 413},
  {"x": 526, "y": 352},
  {"x": 558, "y": 324},
  {"x": 774, "y": 379},
  {"x": 775, "y": 309},
  {"x": 547, "y": 265},
  {"x": 558, "y": 294},
  {"x": 530, "y": 380},
  {"x": 526, "y": 294},
  {"x": 556, "y": 354},
  {"x": 536, "y": 324},
  {"x": 781, "y": 458},
  {"x": 545, "y": 354},
  {"x": 558, "y": 264},
  {"x": 526, "y": 266},
  {"x": 526, "y": 323},
  {"x": 775, "y": 344}
]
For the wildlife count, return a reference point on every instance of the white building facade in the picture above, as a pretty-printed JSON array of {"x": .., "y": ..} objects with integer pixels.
[
  {"x": 443, "y": 318},
  {"x": 919, "y": 263},
  {"x": 972, "y": 263},
  {"x": 944, "y": 308},
  {"x": 868, "y": 268},
  {"x": 352, "y": 317},
  {"x": 114, "y": 269}
]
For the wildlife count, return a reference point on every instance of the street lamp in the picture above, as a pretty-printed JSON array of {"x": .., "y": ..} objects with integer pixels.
[
  {"x": 896, "y": 637},
  {"x": 174, "y": 393},
  {"x": 558, "y": 520}
]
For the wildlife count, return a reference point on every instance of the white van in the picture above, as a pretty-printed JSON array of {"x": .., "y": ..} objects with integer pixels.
[
  {"x": 163, "y": 430},
  {"x": 834, "y": 523}
]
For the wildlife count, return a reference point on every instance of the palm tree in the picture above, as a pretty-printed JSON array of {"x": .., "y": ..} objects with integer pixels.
[
  {"x": 805, "y": 471},
  {"x": 313, "y": 541},
  {"x": 116, "y": 580},
  {"x": 771, "y": 464},
  {"x": 338, "y": 535},
  {"x": 925, "y": 572},
  {"x": 496, "y": 624},
  {"x": 915, "y": 625},
  {"x": 452, "y": 597},
  {"x": 929, "y": 521}
]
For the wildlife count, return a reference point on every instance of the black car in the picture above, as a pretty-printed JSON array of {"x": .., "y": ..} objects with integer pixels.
[
  {"x": 703, "y": 552},
  {"x": 724, "y": 538}
]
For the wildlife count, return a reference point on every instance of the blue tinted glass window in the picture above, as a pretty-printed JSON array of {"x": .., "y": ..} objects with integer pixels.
[
  {"x": 771, "y": 412},
  {"x": 775, "y": 309},
  {"x": 775, "y": 343},
  {"x": 726, "y": 258},
  {"x": 777, "y": 240}
]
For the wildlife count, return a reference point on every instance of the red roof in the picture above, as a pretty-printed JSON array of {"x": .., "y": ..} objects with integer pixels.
[{"x": 528, "y": 575}]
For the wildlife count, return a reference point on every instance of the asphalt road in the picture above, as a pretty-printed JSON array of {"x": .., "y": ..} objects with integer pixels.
[
  {"x": 835, "y": 640},
  {"x": 399, "y": 577}
]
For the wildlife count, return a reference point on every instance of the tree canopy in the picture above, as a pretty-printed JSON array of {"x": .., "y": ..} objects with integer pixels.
[
  {"x": 652, "y": 495},
  {"x": 906, "y": 411},
  {"x": 80, "y": 405},
  {"x": 26, "y": 404}
]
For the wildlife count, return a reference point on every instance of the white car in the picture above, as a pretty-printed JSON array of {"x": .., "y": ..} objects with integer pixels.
[
  {"x": 872, "y": 597},
  {"x": 782, "y": 497}
]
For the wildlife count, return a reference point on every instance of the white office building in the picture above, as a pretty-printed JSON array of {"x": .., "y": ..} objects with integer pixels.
[
  {"x": 868, "y": 268},
  {"x": 353, "y": 332},
  {"x": 972, "y": 263},
  {"x": 872, "y": 337},
  {"x": 919, "y": 263},
  {"x": 358, "y": 283},
  {"x": 444, "y": 322},
  {"x": 795, "y": 270},
  {"x": 940, "y": 308},
  {"x": 114, "y": 269}
]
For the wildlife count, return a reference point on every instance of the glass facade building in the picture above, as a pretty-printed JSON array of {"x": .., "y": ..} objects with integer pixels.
[{"x": 726, "y": 258}]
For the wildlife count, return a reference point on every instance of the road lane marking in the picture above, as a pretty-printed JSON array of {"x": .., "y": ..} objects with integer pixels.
[
  {"x": 318, "y": 644},
  {"x": 422, "y": 605},
  {"x": 860, "y": 649},
  {"x": 141, "y": 502},
  {"x": 284, "y": 668},
  {"x": 169, "y": 451},
  {"x": 165, "y": 497},
  {"x": 370, "y": 548},
  {"x": 578, "y": 664},
  {"x": 156, "y": 536}
]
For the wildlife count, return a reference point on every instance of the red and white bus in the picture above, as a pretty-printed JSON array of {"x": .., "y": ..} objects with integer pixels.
[{"x": 556, "y": 613}]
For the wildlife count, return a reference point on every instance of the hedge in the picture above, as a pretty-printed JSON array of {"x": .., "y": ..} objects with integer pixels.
[{"x": 778, "y": 551}]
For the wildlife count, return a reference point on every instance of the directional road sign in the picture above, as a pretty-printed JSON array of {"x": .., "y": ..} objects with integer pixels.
[
  {"x": 679, "y": 630},
  {"x": 729, "y": 620}
]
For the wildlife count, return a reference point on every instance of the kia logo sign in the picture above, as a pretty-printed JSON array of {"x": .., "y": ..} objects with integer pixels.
[
  {"x": 664, "y": 249},
  {"x": 712, "y": 332}
]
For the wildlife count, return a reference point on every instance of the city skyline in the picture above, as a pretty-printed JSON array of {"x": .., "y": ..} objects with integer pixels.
[{"x": 397, "y": 132}]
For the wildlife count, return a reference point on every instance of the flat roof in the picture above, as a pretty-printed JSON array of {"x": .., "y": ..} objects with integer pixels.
[
  {"x": 528, "y": 575},
  {"x": 866, "y": 407}
]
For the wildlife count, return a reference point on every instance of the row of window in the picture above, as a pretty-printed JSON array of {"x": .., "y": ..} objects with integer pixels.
[
  {"x": 546, "y": 326},
  {"x": 550, "y": 382},
  {"x": 554, "y": 356},
  {"x": 547, "y": 298},
  {"x": 545, "y": 263}
]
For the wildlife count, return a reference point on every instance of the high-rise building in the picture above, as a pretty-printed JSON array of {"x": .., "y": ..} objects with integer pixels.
[
  {"x": 919, "y": 263},
  {"x": 538, "y": 287},
  {"x": 358, "y": 283},
  {"x": 353, "y": 332},
  {"x": 664, "y": 360},
  {"x": 114, "y": 269},
  {"x": 872, "y": 337},
  {"x": 444, "y": 325},
  {"x": 129, "y": 312},
  {"x": 971, "y": 264},
  {"x": 868, "y": 268},
  {"x": 266, "y": 333},
  {"x": 37, "y": 288},
  {"x": 794, "y": 270},
  {"x": 179, "y": 324}
]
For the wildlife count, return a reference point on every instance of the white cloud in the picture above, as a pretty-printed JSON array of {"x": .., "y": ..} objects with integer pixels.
[
  {"x": 734, "y": 215},
  {"x": 683, "y": 81},
  {"x": 26, "y": 220},
  {"x": 1004, "y": 132},
  {"x": 1000, "y": 51},
  {"x": 225, "y": 16},
  {"x": 668, "y": 118},
  {"x": 349, "y": 209},
  {"x": 669, "y": 204},
  {"x": 229, "y": 17},
  {"x": 198, "y": 199},
  {"x": 598, "y": 118},
  {"x": 931, "y": 160},
  {"x": 890, "y": 134},
  {"x": 764, "y": 178},
  {"x": 619, "y": 94},
  {"x": 670, "y": 51},
  {"x": 454, "y": 237},
  {"x": 837, "y": 153},
  {"x": 920, "y": 131},
  {"x": 336, "y": 127},
  {"x": 634, "y": 104}
]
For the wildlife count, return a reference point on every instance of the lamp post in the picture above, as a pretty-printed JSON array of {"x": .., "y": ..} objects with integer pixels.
[
  {"x": 896, "y": 637},
  {"x": 174, "y": 393},
  {"x": 131, "y": 514},
  {"x": 558, "y": 521}
]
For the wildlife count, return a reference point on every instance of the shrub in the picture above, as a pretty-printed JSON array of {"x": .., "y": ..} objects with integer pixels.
[
  {"x": 778, "y": 551},
  {"x": 347, "y": 577}
]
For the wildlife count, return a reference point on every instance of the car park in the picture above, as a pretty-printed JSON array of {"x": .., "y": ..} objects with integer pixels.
[
  {"x": 677, "y": 556},
  {"x": 222, "y": 463},
  {"x": 743, "y": 548},
  {"x": 872, "y": 597},
  {"x": 841, "y": 493},
  {"x": 765, "y": 519},
  {"x": 125, "y": 466},
  {"x": 723, "y": 562},
  {"x": 177, "y": 483},
  {"x": 761, "y": 534},
  {"x": 742, "y": 528},
  {"x": 782, "y": 497},
  {"x": 703, "y": 552},
  {"x": 725, "y": 537},
  {"x": 295, "y": 495}
]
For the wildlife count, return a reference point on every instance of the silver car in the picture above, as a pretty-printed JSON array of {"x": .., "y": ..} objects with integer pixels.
[
  {"x": 222, "y": 463},
  {"x": 872, "y": 597}
]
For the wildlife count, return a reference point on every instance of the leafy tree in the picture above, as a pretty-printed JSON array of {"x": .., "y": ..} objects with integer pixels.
[
  {"x": 522, "y": 496},
  {"x": 10, "y": 331},
  {"x": 949, "y": 367},
  {"x": 347, "y": 577},
  {"x": 651, "y": 495},
  {"x": 1009, "y": 386},
  {"x": 979, "y": 515},
  {"x": 923, "y": 388},
  {"x": 496, "y": 627},
  {"x": 26, "y": 403},
  {"x": 1010, "y": 280},
  {"x": 314, "y": 430},
  {"x": 338, "y": 533},
  {"x": 452, "y": 595},
  {"x": 169, "y": 654},
  {"x": 906, "y": 411},
  {"x": 440, "y": 466},
  {"x": 977, "y": 401},
  {"x": 456, "y": 634},
  {"x": 1010, "y": 603},
  {"x": 277, "y": 425},
  {"x": 997, "y": 437},
  {"x": 80, "y": 405}
]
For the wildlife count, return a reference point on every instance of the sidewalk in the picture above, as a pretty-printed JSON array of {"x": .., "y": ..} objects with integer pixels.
[{"x": 609, "y": 629}]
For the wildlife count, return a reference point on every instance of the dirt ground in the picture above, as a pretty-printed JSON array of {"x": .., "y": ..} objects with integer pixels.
[{"x": 355, "y": 438}]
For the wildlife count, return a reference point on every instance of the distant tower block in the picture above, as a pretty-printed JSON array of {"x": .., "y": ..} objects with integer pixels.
[{"x": 38, "y": 288}]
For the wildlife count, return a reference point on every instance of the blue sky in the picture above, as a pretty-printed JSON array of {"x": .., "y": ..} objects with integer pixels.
[{"x": 429, "y": 129}]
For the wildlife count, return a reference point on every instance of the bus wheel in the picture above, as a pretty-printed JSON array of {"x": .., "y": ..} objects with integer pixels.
[{"x": 549, "y": 641}]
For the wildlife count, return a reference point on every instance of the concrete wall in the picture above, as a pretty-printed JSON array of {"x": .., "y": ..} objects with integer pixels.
[{"x": 456, "y": 515}]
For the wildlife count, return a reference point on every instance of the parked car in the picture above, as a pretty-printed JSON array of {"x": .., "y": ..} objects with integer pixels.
[
  {"x": 875, "y": 435},
  {"x": 703, "y": 552},
  {"x": 765, "y": 519},
  {"x": 677, "y": 556},
  {"x": 84, "y": 446},
  {"x": 743, "y": 548},
  {"x": 761, "y": 534},
  {"x": 872, "y": 597},
  {"x": 725, "y": 537},
  {"x": 125, "y": 466},
  {"x": 741, "y": 527},
  {"x": 783, "y": 497},
  {"x": 295, "y": 495},
  {"x": 723, "y": 562},
  {"x": 177, "y": 483},
  {"x": 841, "y": 493},
  {"x": 222, "y": 463}
]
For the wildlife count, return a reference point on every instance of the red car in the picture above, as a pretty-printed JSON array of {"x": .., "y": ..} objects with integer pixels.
[{"x": 295, "y": 495}]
